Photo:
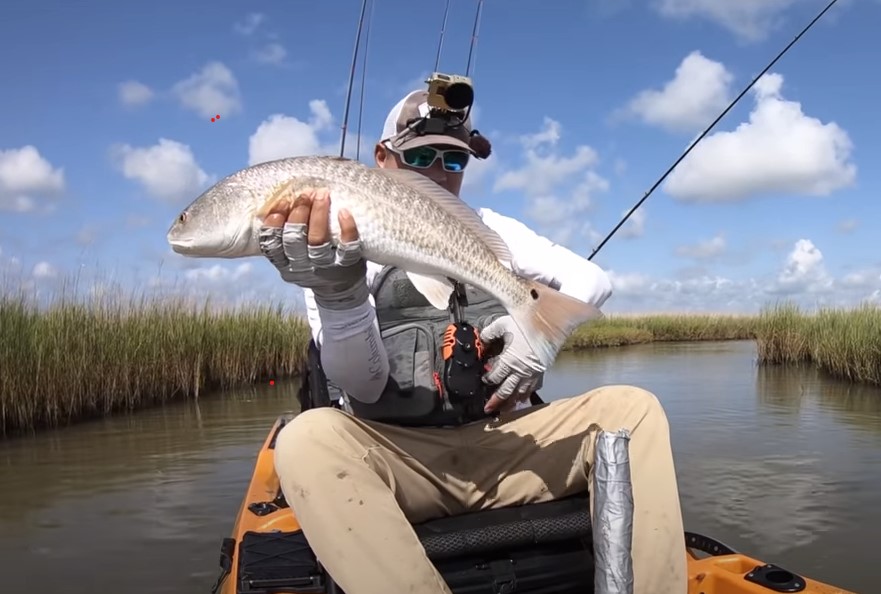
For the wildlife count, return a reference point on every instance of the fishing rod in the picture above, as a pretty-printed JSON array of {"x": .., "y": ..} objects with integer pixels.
[
  {"x": 710, "y": 127},
  {"x": 474, "y": 36},
  {"x": 364, "y": 79},
  {"x": 352, "y": 78},
  {"x": 440, "y": 42}
]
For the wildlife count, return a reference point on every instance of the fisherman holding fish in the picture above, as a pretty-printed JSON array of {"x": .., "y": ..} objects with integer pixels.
[{"x": 388, "y": 455}]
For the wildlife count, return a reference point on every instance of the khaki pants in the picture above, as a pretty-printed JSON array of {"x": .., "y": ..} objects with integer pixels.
[{"x": 357, "y": 486}]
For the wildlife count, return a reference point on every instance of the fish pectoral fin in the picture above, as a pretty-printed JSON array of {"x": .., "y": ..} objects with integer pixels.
[
  {"x": 282, "y": 196},
  {"x": 437, "y": 289}
]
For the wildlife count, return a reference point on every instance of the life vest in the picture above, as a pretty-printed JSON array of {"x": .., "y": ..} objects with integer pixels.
[{"x": 416, "y": 336}]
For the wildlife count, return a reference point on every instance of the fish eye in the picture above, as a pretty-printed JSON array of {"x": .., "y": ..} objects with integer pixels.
[{"x": 183, "y": 217}]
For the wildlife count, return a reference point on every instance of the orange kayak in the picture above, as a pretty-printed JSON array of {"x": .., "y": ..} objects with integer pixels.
[{"x": 538, "y": 548}]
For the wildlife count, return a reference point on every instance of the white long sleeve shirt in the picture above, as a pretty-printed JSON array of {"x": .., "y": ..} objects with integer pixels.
[{"x": 351, "y": 350}]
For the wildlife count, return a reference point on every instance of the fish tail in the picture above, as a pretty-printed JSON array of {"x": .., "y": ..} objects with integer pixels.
[{"x": 549, "y": 318}]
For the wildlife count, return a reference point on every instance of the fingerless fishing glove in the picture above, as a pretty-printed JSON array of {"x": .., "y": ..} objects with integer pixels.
[{"x": 336, "y": 274}]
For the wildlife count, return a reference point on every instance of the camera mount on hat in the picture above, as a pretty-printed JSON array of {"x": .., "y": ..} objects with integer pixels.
[
  {"x": 450, "y": 92},
  {"x": 449, "y": 102},
  {"x": 450, "y": 98}
]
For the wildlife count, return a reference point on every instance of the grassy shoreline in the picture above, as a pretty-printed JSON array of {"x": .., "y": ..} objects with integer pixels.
[{"x": 74, "y": 361}]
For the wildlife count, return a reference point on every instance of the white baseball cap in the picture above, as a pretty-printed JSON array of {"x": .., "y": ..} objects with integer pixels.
[{"x": 412, "y": 107}]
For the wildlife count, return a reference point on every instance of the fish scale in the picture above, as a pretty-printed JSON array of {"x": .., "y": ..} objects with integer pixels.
[{"x": 404, "y": 219}]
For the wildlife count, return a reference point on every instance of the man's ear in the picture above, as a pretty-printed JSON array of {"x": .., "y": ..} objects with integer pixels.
[{"x": 380, "y": 154}]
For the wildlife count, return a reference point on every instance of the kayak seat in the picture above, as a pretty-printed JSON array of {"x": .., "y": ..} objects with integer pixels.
[{"x": 541, "y": 548}]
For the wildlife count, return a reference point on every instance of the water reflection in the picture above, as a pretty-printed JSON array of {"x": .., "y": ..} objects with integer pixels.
[
  {"x": 778, "y": 462},
  {"x": 132, "y": 503},
  {"x": 780, "y": 501},
  {"x": 808, "y": 391}
]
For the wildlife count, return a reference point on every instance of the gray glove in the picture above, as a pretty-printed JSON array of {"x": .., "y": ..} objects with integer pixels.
[
  {"x": 336, "y": 274},
  {"x": 517, "y": 369}
]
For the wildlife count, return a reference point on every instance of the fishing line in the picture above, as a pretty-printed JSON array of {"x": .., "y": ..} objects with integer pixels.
[
  {"x": 440, "y": 42},
  {"x": 710, "y": 127},
  {"x": 474, "y": 37},
  {"x": 352, "y": 78},
  {"x": 364, "y": 78}
]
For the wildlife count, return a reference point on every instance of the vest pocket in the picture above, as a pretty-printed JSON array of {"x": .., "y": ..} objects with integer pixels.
[{"x": 411, "y": 356}]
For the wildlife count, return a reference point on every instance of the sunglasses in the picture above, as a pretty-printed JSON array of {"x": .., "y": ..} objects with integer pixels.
[{"x": 423, "y": 157}]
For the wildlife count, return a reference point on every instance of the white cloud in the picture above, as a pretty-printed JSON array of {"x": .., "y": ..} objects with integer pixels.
[
  {"x": 212, "y": 91},
  {"x": 282, "y": 136},
  {"x": 704, "y": 293},
  {"x": 273, "y": 53},
  {"x": 417, "y": 83},
  {"x": 250, "y": 23},
  {"x": 748, "y": 20},
  {"x": 699, "y": 91},
  {"x": 226, "y": 284},
  {"x": 635, "y": 225},
  {"x": 45, "y": 270},
  {"x": 629, "y": 283},
  {"x": 24, "y": 175},
  {"x": 168, "y": 170},
  {"x": 133, "y": 93},
  {"x": 218, "y": 272},
  {"x": 803, "y": 271},
  {"x": 703, "y": 250},
  {"x": 558, "y": 188},
  {"x": 861, "y": 279},
  {"x": 801, "y": 278},
  {"x": 780, "y": 150},
  {"x": 477, "y": 175}
]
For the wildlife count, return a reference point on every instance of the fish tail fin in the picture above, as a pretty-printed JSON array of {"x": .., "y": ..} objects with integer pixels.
[{"x": 549, "y": 318}]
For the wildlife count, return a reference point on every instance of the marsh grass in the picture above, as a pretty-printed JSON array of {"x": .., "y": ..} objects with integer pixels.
[
  {"x": 79, "y": 358},
  {"x": 844, "y": 343},
  {"x": 73, "y": 360},
  {"x": 625, "y": 330}
]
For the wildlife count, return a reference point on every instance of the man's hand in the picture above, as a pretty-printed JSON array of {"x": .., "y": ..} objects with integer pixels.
[
  {"x": 517, "y": 370},
  {"x": 304, "y": 255}
]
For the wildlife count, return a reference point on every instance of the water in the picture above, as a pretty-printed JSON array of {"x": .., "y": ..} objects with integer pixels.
[{"x": 778, "y": 463}]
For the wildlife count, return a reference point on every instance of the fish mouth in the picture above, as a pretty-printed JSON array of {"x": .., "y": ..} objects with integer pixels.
[
  {"x": 180, "y": 245},
  {"x": 199, "y": 249}
]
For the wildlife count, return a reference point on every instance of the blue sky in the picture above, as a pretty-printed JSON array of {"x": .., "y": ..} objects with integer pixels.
[{"x": 105, "y": 134}]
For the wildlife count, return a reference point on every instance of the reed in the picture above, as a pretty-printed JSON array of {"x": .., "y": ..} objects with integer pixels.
[
  {"x": 74, "y": 360},
  {"x": 625, "y": 330},
  {"x": 844, "y": 343}
]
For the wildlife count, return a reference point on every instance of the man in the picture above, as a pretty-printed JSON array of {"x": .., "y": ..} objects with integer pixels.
[{"x": 357, "y": 485}]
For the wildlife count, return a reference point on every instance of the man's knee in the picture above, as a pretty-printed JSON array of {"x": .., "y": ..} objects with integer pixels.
[
  {"x": 639, "y": 400},
  {"x": 308, "y": 438},
  {"x": 633, "y": 395}
]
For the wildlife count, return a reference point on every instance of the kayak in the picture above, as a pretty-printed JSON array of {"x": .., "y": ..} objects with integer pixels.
[{"x": 531, "y": 549}]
